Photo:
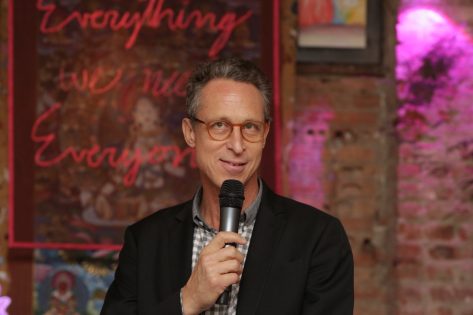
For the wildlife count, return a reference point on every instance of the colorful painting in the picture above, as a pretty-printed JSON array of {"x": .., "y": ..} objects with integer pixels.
[
  {"x": 71, "y": 284},
  {"x": 98, "y": 143},
  {"x": 332, "y": 23}
]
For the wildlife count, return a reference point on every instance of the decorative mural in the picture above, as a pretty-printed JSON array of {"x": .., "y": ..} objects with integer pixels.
[
  {"x": 71, "y": 282},
  {"x": 103, "y": 145},
  {"x": 96, "y": 142}
]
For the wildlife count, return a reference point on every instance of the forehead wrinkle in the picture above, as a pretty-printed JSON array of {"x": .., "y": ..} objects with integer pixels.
[{"x": 227, "y": 99}]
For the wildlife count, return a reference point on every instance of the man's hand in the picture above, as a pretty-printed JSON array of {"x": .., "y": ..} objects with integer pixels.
[{"x": 217, "y": 268}]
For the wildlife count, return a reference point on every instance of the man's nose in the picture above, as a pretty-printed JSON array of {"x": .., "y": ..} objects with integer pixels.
[{"x": 235, "y": 141}]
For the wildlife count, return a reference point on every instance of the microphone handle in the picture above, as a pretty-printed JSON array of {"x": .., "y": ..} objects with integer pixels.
[
  {"x": 224, "y": 298},
  {"x": 229, "y": 219}
]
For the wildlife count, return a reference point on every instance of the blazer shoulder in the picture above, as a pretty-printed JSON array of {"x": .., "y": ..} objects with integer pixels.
[
  {"x": 311, "y": 226},
  {"x": 301, "y": 212}
]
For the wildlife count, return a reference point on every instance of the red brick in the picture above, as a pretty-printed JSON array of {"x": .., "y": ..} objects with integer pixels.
[
  {"x": 437, "y": 273},
  {"x": 438, "y": 211},
  {"x": 357, "y": 224},
  {"x": 444, "y": 311},
  {"x": 442, "y": 252},
  {"x": 367, "y": 292},
  {"x": 464, "y": 251},
  {"x": 441, "y": 294},
  {"x": 466, "y": 232},
  {"x": 441, "y": 232},
  {"x": 409, "y": 231},
  {"x": 408, "y": 270},
  {"x": 409, "y": 252},
  {"x": 366, "y": 255},
  {"x": 355, "y": 208},
  {"x": 355, "y": 154},
  {"x": 409, "y": 294},
  {"x": 449, "y": 294},
  {"x": 406, "y": 150},
  {"x": 408, "y": 310},
  {"x": 411, "y": 210},
  {"x": 445, "y": 193},
  {"x": 464, "y": 273},
  {"x": 369, "y": 307},
  {"x": 361, "y": 120},
  {"x": 408, "y": 170},
  {"x": 408, "y": 190},
  {"x": 367, "y": 101}
]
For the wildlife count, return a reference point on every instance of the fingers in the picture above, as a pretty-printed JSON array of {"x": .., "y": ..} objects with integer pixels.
[
  {"x": 229, "y": 267},
  {"x": 226, "y": 260},
  {"x": 217, "y": 268},
  {"x": 223, "y": 275},
  {"x": 223, "y": 238},
  {"x": 230, "y": 252},
  {"x": 228, "y": 279}
]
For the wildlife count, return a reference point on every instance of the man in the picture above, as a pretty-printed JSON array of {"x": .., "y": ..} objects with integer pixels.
[{"x": 290, "y": 258}]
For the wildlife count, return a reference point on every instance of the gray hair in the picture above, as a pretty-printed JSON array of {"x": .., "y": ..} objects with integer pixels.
[{"x": 229, "y": 68}]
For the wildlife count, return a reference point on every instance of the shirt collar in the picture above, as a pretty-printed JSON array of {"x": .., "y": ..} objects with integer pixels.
[{"x": 247, "y": 217}]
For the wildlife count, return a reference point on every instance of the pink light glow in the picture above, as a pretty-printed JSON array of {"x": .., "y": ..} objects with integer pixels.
[
  {"x": 419, "y": 29},
  {"x": 5, "y": 301},
  {"x": 423, "y": 24}
]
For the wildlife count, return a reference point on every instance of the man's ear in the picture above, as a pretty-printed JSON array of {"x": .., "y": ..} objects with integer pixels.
[
  {"x": 266, "y": 131},
  {"x": 188, "y": 132}
]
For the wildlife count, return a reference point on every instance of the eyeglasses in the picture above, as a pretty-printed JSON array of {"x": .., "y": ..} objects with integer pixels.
[{"x": 251, "y": 131}]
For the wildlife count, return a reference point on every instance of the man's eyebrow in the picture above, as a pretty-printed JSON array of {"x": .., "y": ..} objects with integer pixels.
[{"x": 240, "y": 121}]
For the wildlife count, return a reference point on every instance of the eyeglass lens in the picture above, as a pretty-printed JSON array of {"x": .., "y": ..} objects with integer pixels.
[{"x": 250, "y": 130}]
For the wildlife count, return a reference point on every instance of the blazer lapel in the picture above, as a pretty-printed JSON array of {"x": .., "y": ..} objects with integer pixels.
[
  {"x": 180, "y": 247},
  {"x": 269, "y": 224}
]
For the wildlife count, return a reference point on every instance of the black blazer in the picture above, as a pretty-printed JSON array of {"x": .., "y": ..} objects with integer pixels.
[{"x": 299, "y": 262}]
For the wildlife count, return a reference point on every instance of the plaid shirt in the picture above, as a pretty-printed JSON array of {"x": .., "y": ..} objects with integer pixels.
[{"x": 203, "y": 234}]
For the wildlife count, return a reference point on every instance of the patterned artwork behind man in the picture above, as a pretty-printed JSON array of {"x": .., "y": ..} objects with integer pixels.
[
  {"x": 71, "y": 283},
  {"x": 106, "y": 132}
]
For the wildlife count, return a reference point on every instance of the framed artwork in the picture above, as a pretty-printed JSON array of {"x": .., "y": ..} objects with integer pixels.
[
  {"x": 71, "y": 282},
  {"x": 339, "y": 32},
  {"x": 96, "y": 99}
]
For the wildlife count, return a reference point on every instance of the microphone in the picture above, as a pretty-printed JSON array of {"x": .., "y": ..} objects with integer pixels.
[{"x": 231, "y": 201}]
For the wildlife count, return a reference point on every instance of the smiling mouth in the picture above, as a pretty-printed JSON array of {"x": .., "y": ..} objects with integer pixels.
[{"x": 232, "y": 163}]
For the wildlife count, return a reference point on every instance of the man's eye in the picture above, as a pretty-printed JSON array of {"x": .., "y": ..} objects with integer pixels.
[
  {"x": 219, "y": 125},
  {"x": 251, "y": 126}
]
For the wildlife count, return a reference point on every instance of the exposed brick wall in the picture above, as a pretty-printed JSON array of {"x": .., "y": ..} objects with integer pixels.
[
  {"x": 338, "y": 132},
  {"x": 352, "y": 173}
]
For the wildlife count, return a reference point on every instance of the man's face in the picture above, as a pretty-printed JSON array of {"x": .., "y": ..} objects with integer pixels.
[{"x": 233, "y": 158}]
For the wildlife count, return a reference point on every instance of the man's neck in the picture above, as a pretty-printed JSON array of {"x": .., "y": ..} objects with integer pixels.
[{"x": 210, "y": 207}]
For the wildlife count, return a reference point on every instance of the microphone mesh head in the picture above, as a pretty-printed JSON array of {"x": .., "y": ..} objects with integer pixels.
[{"x": 232, "y": 194}]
